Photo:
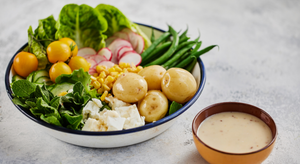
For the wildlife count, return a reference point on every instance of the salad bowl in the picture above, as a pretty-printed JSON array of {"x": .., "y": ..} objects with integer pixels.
[{"x": 112, "y": 139}]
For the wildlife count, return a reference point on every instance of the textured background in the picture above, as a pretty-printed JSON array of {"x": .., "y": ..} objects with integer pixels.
[{"x": 257, "y": 63}]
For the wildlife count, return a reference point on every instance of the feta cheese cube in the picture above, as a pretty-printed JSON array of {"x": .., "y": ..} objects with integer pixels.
[{"x": 132, "y": 115}]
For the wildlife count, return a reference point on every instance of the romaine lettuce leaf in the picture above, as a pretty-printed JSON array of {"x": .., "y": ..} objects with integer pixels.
[
  {"x": 116, "y": 21},
  {"x": 37, "y": 49},
  {"x": 83, "y": 24},
  {"x": 46, "y": 31}
]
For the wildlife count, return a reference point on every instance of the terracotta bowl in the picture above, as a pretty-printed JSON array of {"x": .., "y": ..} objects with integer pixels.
[{"x": 215, "y": 156}]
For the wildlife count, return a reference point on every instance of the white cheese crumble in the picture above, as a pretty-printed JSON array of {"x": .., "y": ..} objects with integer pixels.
[{"x": 122, "y": 116}]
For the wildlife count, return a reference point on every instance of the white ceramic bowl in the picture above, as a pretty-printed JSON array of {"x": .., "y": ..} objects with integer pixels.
[{"x": 112, "y": 138}]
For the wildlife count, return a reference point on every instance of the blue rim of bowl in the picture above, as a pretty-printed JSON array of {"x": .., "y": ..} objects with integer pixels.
[{"x": 28, "y": 114}]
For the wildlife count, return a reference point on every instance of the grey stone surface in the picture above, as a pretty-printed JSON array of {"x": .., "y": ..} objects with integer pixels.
[{"x": 257, "y": 63}]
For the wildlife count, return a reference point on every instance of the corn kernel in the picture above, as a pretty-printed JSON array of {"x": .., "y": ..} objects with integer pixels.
[
  {"x": 125, "y": 70},
  {"x": 62, "y": 93},
  {"x": 139, "y": 68},
  {"x": 93, "y": 78},
  {"x": 102, "y": 74},
  {"x": 101, "y": 80},
  {"x": 100, "y": 68},
  {"x": 100, "y": 90},
  {"x": 95, "y": 74},
  {"x": 123, "y": 65},
  {"x": 112, "y": 69},
  {"x": 104, "y": 95},
  {"x": 107, "y": 88},
  {"x": 96, "y": 84},
  {"x": 110, "y": 79},
  {"x": 117, "y": 68},
  {"x": 114, "y": 74}
]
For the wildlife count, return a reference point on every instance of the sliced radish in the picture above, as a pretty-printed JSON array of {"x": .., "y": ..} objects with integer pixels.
[
  {"x": 86, "y": 51},
  {"x": 108, "y": 64},
  {"x": 121, "y": 35},
  {"x": 92, "y": 62},
  {"x": 109, "y": 40},
  {"x": 92, "y": 71},
  {"x": 98, "y": 58},
  {"x": 105, "y": 52},
  {"x": 122, "y": 50},
  {"x": 115, "y": 46},
  {"x": 140, "y": 44},
  {"x": 132, "y": 37},
  {"x": 131, "y": 57}
]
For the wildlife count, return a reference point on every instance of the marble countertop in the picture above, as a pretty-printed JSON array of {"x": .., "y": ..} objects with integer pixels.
[{"x": 257, "y": 63}]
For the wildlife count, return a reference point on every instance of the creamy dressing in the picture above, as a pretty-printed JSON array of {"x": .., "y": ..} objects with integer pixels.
[{"x": 234, "y": 132}]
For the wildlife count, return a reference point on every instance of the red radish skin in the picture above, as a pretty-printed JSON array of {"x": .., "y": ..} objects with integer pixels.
[
  {"x": 108, "y": 64},
  {"x": 92, "y": 71},
  {"x": 115, "y": 46},
  {"x": 86, "y": 51},
  {"x": 121, "y": 35},
  {"x": 131, "y": 57},
  {"x": 140, "y": 44},
  {"x": 105, "y": 52},
  {"x": 98, "y": 58},
  {"x": 122, "y": 50}
]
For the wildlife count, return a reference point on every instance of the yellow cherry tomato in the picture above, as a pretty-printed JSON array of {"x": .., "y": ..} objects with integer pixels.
[
  {"x": 58, "y": 51},
  {"x": 25, "y": 63},
  {"x": 71, "y": 43},
  {"x": 78, "y": 62},
  {"x": 57, "y": 69}
]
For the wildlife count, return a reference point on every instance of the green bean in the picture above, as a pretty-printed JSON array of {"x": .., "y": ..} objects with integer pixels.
[
  {"x": 152, "y": 39},
  {"x": 186, "y": 61},
  {"x": 198, "y": 45},
  {"x": 155, "y": 43},
  {"x": 191, "y": 66},
  {"x": 156, "y": 52},
  {"x": 184, "y": 47},
  {"x": 185, "y": 55},
  {"x": 170, "y": 51},
  {"x": 183, "y": 35}
]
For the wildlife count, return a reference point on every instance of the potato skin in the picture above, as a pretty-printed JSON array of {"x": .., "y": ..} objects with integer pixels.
[
  {"x": 178, "y": 85},
  {"x": 154, "y": 106},
  {"x": 130, "y": 87},
  {"x": 153, "y": 75}
]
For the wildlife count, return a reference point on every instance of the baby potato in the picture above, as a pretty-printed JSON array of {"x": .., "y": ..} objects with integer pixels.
[
  {"x": 130, "y": 87},
  {"x": 154, "y": 106},
  {"x": 153, "y": 75},
  {"x": 178, "y": 85}
]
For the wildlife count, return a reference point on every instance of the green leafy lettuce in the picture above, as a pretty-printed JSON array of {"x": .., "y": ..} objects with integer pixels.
[
  {"x": 37, "y": 49},
  {"x": 63, "y": 111},
  {"x": 116, "y": 21},
  {"x": 83, "y": 24},
  {"x": 38, "y": 41}
]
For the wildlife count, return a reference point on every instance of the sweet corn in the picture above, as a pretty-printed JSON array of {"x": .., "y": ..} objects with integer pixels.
[
  {"x": 96, "y": 84},
  {"x": 100, "y": 80},
  {"x": 93, "y": 78},
  {"x": 105, "y": 77},
  {"x": 104, "y": 95},
  {"x": 106, "y": 87},
  {"x": 102, "y": 74}
]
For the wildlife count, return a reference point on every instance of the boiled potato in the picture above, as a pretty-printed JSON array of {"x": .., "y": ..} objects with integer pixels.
[
  {"x": 154, "y": 106},
  {"x": 130, "y": 87},
  {"x": 178, "y": 85},
  {"x": 153, "y": 75}
]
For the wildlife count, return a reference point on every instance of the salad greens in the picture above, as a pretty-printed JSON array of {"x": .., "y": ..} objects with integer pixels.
[
  {"x": 83, "y": 24},
  {"x": 61, "y": 111},
  {"x": 87, "y": 26},
  {"x": 117, "y": 21}
]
